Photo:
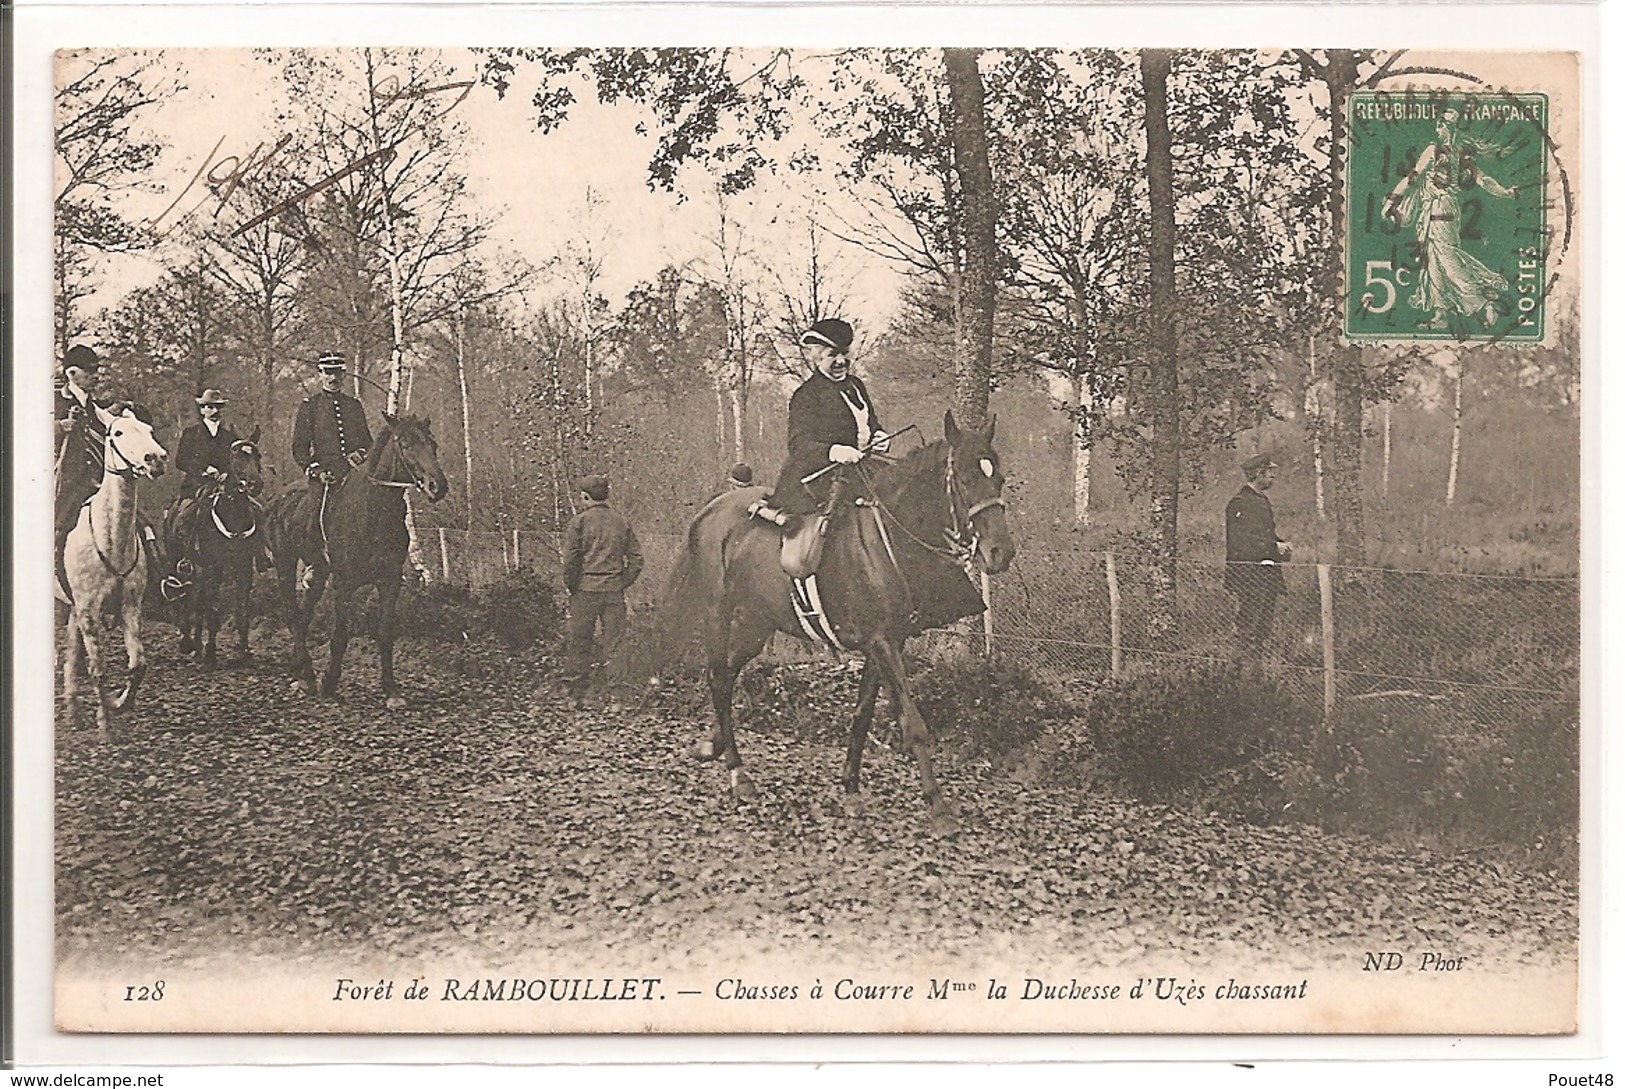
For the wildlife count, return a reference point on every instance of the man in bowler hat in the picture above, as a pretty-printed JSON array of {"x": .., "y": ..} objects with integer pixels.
[
  {"x": 602, "y": 560},
  {"x": 81, "y": 438},
  {"x": 1254, "y": 554}
]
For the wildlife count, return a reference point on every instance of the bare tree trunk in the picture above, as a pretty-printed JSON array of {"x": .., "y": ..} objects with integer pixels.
[
  {"x": 1347, "y": 371},
  {"x": 1080, "y": 452},
  {"x": 1316, "y": 411},
  {"x": 414, "y": 550},
  {"x": 973, "y": 357},
  {"x": 1163, "y": 349},
  {"x": 1455, "y": 438},
  {"x": 737, "y": 394},
  {"x": 468, "y": 441},
  {"x": 1387, "y": 443},
  {"x": 722, "y": 420}
]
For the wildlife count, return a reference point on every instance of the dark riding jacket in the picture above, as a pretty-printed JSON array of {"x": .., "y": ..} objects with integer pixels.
[
  {"x": 601, "y": 552},
  {"x": 200, "y": 451},
  {"x": 823, "y": 413},
  {"x": 328, "y": 429},
  {"x": 1251, "y": 550}
]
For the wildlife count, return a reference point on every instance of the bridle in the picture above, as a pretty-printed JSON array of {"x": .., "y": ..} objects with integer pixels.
[
  {"x": 960, "y": 537},
  {"x": 234, "y": 484},
  {"x": 396, "y": 462}
]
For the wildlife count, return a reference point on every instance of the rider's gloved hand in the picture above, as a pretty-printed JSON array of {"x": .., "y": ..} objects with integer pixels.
[
  {"x": 355, "y": 458},
  {"x": 313, "y": 470},
  {"x": 845, "y": 455},
  {"x": 879, "y": 443}
]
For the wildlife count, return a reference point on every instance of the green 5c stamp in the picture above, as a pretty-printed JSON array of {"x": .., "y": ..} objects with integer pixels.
[{"x": 1446, "y": 233}]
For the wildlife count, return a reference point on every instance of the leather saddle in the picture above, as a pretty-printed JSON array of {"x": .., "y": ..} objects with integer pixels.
[{"x": 801, "y": 544}]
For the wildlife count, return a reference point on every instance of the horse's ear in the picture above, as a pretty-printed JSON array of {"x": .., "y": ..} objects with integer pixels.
[
  {"x": 391, "y": 419},
  {"x": 950, "y": 429},
  {"x": 104, "y": 415},
  {"x": 255, "y": 437}
]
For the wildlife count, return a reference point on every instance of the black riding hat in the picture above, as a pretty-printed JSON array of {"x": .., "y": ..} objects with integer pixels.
[
  {"x": 595, "y": 486},
  {"x": 831, "y": 331},
  {"x": 83, "y": 357}
]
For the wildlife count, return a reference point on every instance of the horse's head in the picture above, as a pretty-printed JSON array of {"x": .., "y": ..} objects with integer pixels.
[
  {"x": 417, "y": 456},
  {"x": 245, "y": 463},
  {"x": 130, "y": 448},
  {"x": 975, "y": 490}
]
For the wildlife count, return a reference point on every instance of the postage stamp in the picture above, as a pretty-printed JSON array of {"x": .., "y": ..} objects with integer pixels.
[{"x": 1447, "y": 227}]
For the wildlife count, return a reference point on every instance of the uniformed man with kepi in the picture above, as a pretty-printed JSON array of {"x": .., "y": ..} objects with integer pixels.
[
  {"x": 602, "y": 560},
  {"x": 330, "y": 434}
]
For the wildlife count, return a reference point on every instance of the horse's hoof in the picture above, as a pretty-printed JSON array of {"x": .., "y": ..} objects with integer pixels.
[
  {"x": 854, "y": 806},
  {"x": 395, "y": 703},
  {"x": 943, "y": 823},
  {"x": 303, "y": 687},
  {"x": 705, "y": 750},
  {"x": 744, "y": 789}
]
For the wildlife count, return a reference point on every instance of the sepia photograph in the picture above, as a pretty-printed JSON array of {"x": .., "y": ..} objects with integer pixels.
[{"x": 564, "y": 539}]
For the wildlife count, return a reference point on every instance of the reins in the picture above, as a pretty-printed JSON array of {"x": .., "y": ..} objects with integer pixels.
[
  {"x": 396, "y": 461},
  {"x": 960, "y": 536}
]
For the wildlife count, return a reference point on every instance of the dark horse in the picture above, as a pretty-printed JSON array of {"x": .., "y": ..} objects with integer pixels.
[
  {"x": 361, "y": 541},
  {"x": 895, "y": 564},
  {"x": 218, "y": 534}
]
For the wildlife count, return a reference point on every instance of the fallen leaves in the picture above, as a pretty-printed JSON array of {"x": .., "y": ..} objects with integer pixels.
[{"x": 271, "y": 824}]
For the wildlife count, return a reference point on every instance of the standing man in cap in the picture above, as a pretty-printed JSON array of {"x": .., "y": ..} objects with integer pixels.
[
  {"x": 330, "y": 434},
  {"x": 602, "y": 560},
  {"x": 81, "y": 438},
  {"x": 1254, "y": 554}
]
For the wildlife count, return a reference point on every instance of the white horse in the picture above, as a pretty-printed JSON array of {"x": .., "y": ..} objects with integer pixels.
[{"x": 105, "y": 565}]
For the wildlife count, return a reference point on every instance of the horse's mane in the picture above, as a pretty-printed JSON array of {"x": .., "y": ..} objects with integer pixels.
[{"x": 892, "y": 481}]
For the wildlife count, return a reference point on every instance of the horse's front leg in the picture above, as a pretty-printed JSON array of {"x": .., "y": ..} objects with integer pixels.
[
  {"x": 389, "y": 591},
  {"x": 134, "y": 649},
  {"x": 243, "y": 587},
  {"x": 209, "y": 614},
  {"x": 89, "y": 613},
  {"x": 915, "y": 735},
  {"x": 73, "y": 667},
  {"x": 343, "y": 602},
  {"x": 862, "y": 716},
  {"x": 293, "y": 611}
]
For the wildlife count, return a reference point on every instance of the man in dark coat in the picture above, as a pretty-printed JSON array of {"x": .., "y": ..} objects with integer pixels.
[
  {"x": 832, "y": 421},
  {"x": 1253, "y": 554},
  {"x": 602, "y": 559},
  {"x": 330, "y": 434},
  {"x": 204, "y": 452},
  {"x": 81, "y": 438}
]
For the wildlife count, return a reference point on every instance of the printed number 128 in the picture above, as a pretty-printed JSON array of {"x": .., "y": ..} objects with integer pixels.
[{"x": 143, "y": 993}]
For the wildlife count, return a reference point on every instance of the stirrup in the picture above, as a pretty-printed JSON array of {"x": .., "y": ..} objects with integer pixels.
[
  {"x": 185, "y": 568},
  {"x": 172, "y": 588}
]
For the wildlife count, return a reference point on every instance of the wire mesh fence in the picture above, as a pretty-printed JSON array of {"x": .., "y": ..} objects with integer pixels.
[{"x": 1479, "y": 647}]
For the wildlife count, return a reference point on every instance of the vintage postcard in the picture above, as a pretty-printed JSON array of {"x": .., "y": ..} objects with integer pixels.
[{"x": 556, "y": 540}]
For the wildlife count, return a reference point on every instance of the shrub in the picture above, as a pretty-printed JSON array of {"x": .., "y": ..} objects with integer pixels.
[
  {"x": 987, "y": 710},
  {"x": 438, "y": 610},
  {"x": 521, "y": 610},
  {"x": 1220, "y": 736}
]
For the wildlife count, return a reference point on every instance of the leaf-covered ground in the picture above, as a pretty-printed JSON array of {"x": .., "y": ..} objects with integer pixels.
[{"x": 231, "y": 817}]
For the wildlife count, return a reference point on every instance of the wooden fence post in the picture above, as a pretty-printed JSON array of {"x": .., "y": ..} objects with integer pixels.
[
  {"x": 1328, "y": 655},
  {"x": 516, "y": 564},
  {"x": 445, "y": 560},
  {"x": 1117, "y": 615}
]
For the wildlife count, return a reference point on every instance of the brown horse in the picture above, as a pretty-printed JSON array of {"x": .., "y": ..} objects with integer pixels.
[
  {"x": 217, "y": 534},
  {"x": 895, "y": 564},
  {"x": 360, "y": 540}
]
